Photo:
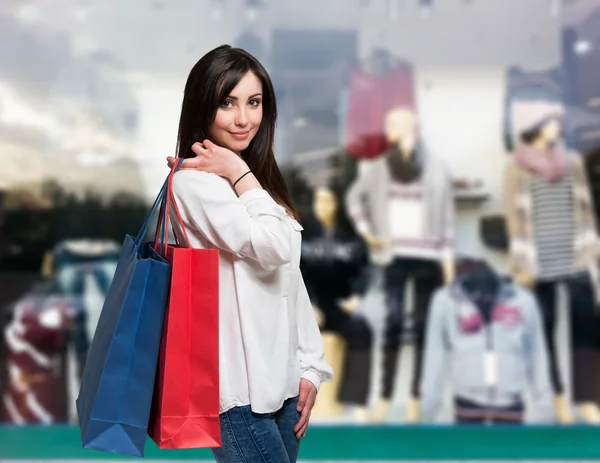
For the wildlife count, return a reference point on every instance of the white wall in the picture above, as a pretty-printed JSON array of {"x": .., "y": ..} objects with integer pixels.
[{"x": 461, "y": 119}]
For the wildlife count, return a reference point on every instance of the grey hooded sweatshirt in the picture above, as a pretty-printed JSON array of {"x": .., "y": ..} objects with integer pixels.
[{"x": 458, "y": 339}]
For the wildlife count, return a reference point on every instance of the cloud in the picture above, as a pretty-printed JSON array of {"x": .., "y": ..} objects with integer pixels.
[
  {"x": 30, "y": 58},
  {"x": 38, "y": 62},
  {"x": 27, "y": 137}
]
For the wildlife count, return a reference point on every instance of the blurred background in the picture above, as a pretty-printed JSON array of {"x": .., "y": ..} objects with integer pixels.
[{"x": 90, "y": 94}]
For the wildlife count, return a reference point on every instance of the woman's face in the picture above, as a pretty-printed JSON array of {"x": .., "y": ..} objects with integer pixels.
[
  {"x": 324, "y": 205},
  {"x": 239, "y": 116}
]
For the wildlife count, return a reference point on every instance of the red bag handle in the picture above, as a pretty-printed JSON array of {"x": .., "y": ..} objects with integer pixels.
[{"x": 171, "y": 200}]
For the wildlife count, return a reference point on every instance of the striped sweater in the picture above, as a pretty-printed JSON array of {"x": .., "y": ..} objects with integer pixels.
[
  {"x": 519, "y": 210},
  {"x": 554, "y": 236}
]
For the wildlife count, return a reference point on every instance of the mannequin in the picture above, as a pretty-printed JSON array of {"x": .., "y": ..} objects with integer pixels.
[
  {"x": 546, "y": 84},
  {"x": 35, "y": 343},
  {"x": 553, "y": 240},
  {"x": 73, "y": 261},
  {"x": 402, "y": 205},
  {"x": 334, "y": 267},
  {"x": 490, "y": 331}
]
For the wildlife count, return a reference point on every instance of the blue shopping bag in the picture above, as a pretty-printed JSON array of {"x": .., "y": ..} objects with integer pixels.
[{"x": 116, "y": 390}]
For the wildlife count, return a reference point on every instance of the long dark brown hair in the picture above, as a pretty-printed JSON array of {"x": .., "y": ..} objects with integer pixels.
[{"x": 210, "y": 82}]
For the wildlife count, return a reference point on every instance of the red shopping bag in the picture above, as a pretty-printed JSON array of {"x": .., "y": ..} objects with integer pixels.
[{"x": 185, "y": 408}]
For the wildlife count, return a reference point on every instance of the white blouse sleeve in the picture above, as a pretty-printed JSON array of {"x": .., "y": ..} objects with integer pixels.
[
  {"x": 313, "y": 365},
  {"x": 253, "y": 226}
]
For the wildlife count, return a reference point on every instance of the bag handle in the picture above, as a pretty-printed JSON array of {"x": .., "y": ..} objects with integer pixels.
[
  {"x": 157, "y": 201},
  {"x": 171, "y": 200},
  {"x": 161, "y": 218},
  {"x": 161, "y": 237}
]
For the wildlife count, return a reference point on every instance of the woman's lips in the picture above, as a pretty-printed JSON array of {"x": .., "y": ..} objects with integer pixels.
[{"x": 240, "y": 135}]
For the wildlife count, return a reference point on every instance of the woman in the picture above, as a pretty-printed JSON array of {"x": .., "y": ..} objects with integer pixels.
[{"x": 232, "y": 197}]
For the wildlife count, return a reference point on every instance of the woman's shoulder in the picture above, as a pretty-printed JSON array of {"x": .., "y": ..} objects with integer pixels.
[
  {"x": 186, "y": 175},
  {"x": 187, "y": 179}
]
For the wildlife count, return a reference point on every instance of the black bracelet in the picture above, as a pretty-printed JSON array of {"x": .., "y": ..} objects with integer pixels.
[{"x": 235, "y": 183}]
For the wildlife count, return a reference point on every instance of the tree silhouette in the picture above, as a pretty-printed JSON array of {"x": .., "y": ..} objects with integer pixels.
[{"x": 29, "y": 230}]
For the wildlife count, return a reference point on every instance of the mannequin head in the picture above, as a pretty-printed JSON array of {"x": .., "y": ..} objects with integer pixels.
[
  {"x": 547, "y": 133},
  {"x": 325, "y": 206},
  {"x": 401, "y": 128},
  {"x": 538, "y": 122}
]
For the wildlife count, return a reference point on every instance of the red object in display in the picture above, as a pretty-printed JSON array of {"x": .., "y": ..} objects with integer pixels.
[
  {"x": 35, "y": 343},
  {"x": 371, "y": 97}
]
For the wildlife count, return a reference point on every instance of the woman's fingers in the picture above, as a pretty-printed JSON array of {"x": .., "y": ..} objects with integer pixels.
[
  {"x": 302, "y": 431},
  {"x": 191, "y": 163},
  {"x": 209, "y": 145},
  {"x": 203, "y": 151},
  {"x": 200, "y": 149}
]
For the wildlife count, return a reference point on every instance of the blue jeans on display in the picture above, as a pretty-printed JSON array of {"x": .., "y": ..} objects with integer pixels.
[{"x": 249, "y": 437}]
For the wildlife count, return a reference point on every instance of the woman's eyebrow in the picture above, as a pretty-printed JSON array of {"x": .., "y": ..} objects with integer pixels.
[{"x": 251, "y": 96}]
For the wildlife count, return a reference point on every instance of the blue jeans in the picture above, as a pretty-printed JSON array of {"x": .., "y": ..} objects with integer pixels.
[{"x": 248, "y": 437}]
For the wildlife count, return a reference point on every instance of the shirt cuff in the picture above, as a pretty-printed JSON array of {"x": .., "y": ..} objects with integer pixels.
[{"x": 313, "y": 377}]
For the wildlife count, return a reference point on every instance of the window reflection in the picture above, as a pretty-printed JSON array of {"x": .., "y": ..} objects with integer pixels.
[{"x": 456, "y": 143}]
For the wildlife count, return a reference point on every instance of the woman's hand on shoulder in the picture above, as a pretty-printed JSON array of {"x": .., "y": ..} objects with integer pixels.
[{"x": 213, "y": 159}]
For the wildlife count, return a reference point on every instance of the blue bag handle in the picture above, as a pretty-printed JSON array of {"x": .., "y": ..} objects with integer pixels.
[
  {"x": 162, "y": 226},
  {"x": 159, "y": 201}
]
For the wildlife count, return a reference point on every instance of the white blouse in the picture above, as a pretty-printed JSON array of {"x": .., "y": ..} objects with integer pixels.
[{"x": 268, "y": 334}]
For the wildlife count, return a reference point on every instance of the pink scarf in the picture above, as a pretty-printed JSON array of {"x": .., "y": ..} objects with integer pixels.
[{"x": 551, "y": 164}]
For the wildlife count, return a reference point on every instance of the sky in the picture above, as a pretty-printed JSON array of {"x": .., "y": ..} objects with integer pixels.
[{"x": 90, "y": 83}]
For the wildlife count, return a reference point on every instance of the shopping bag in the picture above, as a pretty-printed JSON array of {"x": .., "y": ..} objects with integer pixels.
[
  {"x": 116, "y": 390},
  {"x": 185, "y": 409}
]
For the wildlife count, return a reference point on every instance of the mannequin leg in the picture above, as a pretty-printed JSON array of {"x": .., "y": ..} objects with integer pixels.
[
  {"x": 395, "y": 281},
  {"x": 357, "y": 369},
  {"x": 428, "y": 279},
  {"x": 585, "y": 350},
  {"x": 546, "y": 297},
  {"x": 328, "y": 405},
  {"x": 356, "y": 382}
]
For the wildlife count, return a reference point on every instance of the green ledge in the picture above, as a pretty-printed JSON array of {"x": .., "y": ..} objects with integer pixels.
[{"x": 349, "y": 442}]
